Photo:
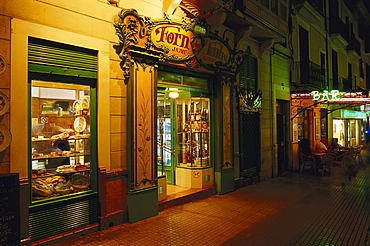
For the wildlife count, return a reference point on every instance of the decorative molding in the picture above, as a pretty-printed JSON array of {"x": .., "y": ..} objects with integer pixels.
[
  {"x": 226, "y": 124},
  {"x": 187, "y": 42},
  {"x": 264, "y": 46},
  {"x": 249, "y": 100},
  {"x": 3, "y": 64}
]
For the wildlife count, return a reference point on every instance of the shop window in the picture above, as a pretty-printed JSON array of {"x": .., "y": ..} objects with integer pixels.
[
  {"x": 60, "y": 139},
  {"x": 193, "y": 132},
  {"x": 62, "y": 86}
]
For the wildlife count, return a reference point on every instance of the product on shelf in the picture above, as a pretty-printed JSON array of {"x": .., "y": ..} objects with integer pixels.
[
  {"x": 80, "y": 167},
  {"x": 41, "y": 188},
  {"x": 80, "y": 182},
  {"x": 62, "y": 188},
  {"x": 39, "y": 173},
  {"x": 55, "y": 179},
  {"x": 65, "y": 169},
  {"x": 63, "y": 135}
]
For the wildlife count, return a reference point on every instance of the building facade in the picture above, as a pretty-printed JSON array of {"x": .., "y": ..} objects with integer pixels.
[
  {"x": 110, "y": 105},
  {"x": 329, "y": 72}
]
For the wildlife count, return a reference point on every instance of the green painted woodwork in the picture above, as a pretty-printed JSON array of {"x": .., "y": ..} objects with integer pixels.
[
  {"x": 142, "y": 204},
  {"x": 55, "y": 58},
  {"x": 65, "y": 64},
  {"x": 50, "y": 218},
  {"x": 225, "y": 181}
]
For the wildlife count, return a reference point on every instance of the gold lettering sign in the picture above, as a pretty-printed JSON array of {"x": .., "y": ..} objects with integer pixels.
[
  {"x": 214, "y": 53},
  {"x": 174, "y": 40}
]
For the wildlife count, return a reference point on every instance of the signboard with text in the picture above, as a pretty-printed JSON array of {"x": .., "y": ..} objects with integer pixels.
[
  {"x": 9, "y": 210},
  {"x": 176, "y": 41},
  {"x": 214, "y": 53}
]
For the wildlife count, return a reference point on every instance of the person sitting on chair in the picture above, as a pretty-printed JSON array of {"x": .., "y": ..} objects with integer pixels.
[{"x": 322, "y": 145}]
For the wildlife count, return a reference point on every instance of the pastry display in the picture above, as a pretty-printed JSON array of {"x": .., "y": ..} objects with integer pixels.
[
  {"x": 41, "y": 188},
  {"x": 80, "y": 182},
  {"x": 60, "y": 140},
  {"x": 39, "y": 173},
  {"x": 63, "y": 135},
  {"x": 62, "y": 188},
  {"x": 55, "y": 179},
  {"x": 65, "y": 169},
  {"x": 81, "y": 167}
]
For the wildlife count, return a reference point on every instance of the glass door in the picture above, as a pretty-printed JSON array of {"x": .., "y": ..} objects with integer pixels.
[{"x": 165, "y": 150}]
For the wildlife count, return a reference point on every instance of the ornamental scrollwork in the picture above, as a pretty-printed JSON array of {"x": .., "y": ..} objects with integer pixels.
[{"x": 250, "y": 100}]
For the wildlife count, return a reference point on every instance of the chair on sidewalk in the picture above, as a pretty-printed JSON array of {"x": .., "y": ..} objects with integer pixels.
[
  {"x": 326, "y": 163},
  {"x": 357, "y": 155},
  {"x": 349, "y": 166},
  {"x": 306, "y": 161},
  {"x": 339, "y": 157}
]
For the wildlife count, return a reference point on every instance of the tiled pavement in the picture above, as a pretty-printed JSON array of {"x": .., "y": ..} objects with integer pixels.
[{"x": 294, "y": 209}]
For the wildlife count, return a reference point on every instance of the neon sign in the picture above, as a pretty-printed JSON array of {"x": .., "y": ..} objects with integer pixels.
[
  {"x": 333, "y": 96},
  {"x": 326, "y": 95},
  {"x": 352, "y": 114}
]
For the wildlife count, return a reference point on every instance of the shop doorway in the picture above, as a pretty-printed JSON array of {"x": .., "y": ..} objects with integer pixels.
[
  {"x": 250, "y": 144},
  {"x": 183, "y": 134},
  {"x": 282, "y": 135}
]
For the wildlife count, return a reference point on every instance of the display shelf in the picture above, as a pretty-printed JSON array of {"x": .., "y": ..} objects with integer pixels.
[
  {"x": 56, "y": 172},
  {"x": 193, "y": 133}
]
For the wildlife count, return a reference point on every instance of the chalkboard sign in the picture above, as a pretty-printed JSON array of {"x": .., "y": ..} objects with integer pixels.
[{"x": 9, "y": 210}]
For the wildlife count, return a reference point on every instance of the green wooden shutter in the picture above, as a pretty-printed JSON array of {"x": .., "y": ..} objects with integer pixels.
[
  {"x": 248, "y": 73},
  {"x": 47, "y": 57}
]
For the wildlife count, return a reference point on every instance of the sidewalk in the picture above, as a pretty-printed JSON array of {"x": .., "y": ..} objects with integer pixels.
[{"x": 294, "y": 209}]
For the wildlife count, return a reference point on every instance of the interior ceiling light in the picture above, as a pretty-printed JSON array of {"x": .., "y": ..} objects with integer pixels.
[{"x": 173, "y": 92}]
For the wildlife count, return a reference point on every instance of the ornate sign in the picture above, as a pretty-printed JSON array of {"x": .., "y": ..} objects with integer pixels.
[
  {"x": 214, "y": 53},
  {"x": 174, "y": 40},
  {"x": 185, "y": 42}
]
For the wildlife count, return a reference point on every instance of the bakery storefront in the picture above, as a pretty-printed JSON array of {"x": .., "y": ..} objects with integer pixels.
[
  {"x": 179, "y": 76},
  {"x": 62, "y": 147}
]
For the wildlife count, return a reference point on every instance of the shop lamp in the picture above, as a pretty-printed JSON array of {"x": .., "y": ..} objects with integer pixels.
[{"x": 173, "y": 93}]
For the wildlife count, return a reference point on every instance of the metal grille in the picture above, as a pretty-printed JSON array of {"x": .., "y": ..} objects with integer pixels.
[
  {"x": 250, "y": 144},
  {"x": 55, "y": 218}
]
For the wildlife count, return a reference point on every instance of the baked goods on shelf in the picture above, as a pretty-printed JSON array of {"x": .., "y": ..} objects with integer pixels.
[
  {"x": 41, "y": 188},
  {"x": 80, "y": 167},
  {"x": 80, "y": 182},
  {"x": 39, "y": 156},
  {"x": 62, "y": 188},
  {"x": 55, "y": 179},
  {"x": 65, "y": 169},
  {"x": 63, "y": 135},
  {"x": 39, "y": 173}
]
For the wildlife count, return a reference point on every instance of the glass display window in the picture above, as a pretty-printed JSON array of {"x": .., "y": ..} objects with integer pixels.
[
  {"x": 60, "y": 139},
  {"x": 183, "y": 131},
  {"x": 193, "y": 131}
]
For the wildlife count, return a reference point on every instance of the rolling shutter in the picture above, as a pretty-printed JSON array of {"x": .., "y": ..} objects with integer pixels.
[{"x": 60, "y": 59}]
